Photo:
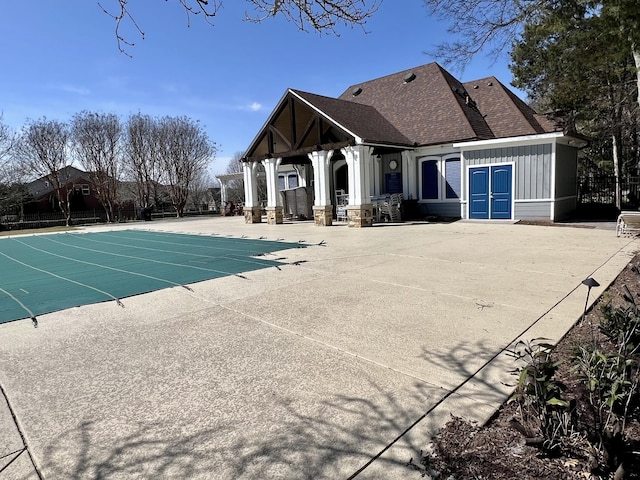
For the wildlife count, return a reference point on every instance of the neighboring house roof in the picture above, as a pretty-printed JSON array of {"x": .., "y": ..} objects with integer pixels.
[
  {"x": 43, "y": 186},
  {"x": 420, "y": 106}
]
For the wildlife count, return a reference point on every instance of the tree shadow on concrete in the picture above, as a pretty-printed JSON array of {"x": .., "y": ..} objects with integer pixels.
[
  {"x": 332, "y": 439},
  {"x": 489, "y": 367},
  {"x": 336, "y": 440},
  {"x": 78, "y": 454}
]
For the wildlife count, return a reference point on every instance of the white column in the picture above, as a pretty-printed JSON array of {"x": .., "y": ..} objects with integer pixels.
[
  {"x": 271, "y": 170},
  {"x": 250, "y": 184},
  {"x": 409, "y": 175},
  {"x": 359, "y": 165},
  {"x": 377, "y": 174},
  {"x": 321, "y": 177},
  {"x": 223, "y": 191}
]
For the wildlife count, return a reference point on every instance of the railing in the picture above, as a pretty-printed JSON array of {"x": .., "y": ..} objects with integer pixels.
[
  {"x": 601, "y": 190},
  {"x": 42, "y": 220}
]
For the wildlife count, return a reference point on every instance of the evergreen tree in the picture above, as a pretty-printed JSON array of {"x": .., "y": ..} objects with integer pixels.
[{"x": 573, "y": 61}]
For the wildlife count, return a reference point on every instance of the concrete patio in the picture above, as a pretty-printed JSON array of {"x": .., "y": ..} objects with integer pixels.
[{"x": 339, "y": 365}]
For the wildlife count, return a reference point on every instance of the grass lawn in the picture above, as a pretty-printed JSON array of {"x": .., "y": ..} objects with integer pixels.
[{"x": 28, "y": 231}]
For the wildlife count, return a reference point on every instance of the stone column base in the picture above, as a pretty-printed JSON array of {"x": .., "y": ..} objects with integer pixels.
[
  {"x": 252, "y": 214},
  {"x": 360, "y": 215},
  {"x": 323, "y": 215},
  {"x": 274, "y": 215}
]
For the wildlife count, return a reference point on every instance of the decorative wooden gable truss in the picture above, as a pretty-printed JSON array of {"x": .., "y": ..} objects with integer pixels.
[{"x": 294, "y": 130}]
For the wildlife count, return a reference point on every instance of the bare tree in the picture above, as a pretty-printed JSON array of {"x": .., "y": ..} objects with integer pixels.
[
  {"x": 235, "y": 188},
  {"x": 142, "y": 158},
  {"x": 485, "y": 24},
  {"x": 319, "y": 15},
  {"x": 7, "y": 141},
  {"x": 198, "y": 191},
  {"x": 96, "y": 142},
  {"x": 13, "y": 192},
  {"x": 185, "y": 152},
  {"x": 43, "y": 149}
]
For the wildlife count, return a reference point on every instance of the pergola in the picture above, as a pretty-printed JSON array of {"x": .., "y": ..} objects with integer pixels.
[{"x": 224, "y": 180}]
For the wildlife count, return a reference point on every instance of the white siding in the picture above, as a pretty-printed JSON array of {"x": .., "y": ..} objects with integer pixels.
[{"x": 533, "y": 210}]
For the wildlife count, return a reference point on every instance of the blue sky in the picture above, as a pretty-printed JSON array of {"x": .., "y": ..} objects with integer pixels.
[{"x": 61, "y": 57}]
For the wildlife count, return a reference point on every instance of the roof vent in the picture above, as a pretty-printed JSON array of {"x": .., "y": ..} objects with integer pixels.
[
  {"x": 409, "y": 77},
  {"x": 475, "y": 87},
  {"x": 489, "y": 84},
  {"x": 356, "y": 91}
]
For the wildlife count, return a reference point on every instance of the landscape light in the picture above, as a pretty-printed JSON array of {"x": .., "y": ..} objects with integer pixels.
[{"x": 590, "y": 283}]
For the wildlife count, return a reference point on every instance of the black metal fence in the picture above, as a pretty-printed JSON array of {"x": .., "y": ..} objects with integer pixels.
[
  {"x": 41, "y": 220},
  {"x": 601, "y": 190}
]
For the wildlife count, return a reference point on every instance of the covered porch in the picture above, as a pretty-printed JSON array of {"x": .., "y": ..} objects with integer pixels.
[{"x": 350, "y": 178}]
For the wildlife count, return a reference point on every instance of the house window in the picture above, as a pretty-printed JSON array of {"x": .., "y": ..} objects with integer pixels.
[
  {"x": 452, "y": 175},
  {"x": 441, "y": 178},
  {"x": 85, "y": 189},
  {"x": 293, "y": 180},
  {"x": 287, "y": 181},
  {"x": 430, "y": 180}
]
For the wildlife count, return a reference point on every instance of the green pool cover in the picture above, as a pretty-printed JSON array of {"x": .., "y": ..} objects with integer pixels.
[{"x": 47, "y": 273}]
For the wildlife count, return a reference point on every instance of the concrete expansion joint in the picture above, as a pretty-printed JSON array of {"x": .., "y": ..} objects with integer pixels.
[{"x": 21, "y": 434}]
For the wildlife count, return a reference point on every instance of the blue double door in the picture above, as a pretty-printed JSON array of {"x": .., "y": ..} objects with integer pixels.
[{"x": 490, "y": 192}]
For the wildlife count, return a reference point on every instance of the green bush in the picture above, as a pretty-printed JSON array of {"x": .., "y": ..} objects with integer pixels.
[{"x": 539, "y": 394}]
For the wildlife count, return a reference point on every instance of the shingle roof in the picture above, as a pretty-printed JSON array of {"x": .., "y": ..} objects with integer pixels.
[
  {"x": 430, "y": 109},
  {"x": 42, "y": 186},
  {"x": 362, "y": 120},
  {"x": 424, "y": 105},
  {"x": 505, "y": 113}
]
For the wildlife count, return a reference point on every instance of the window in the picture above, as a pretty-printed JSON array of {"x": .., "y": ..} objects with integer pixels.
[
  {"x": 85, "y": 189},
  {"x": 430, "y": 178},
  {"x": 292, "y": 180},
  {"x": 441, "y": 178},
  {"x": 287, "y": 181},
  {"x": 452, "y": 175}
]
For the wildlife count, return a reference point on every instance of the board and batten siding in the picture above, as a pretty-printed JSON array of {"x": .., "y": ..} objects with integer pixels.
[
  {"x": 566, "y": 171},
  {"x": 533, "y": 169}
]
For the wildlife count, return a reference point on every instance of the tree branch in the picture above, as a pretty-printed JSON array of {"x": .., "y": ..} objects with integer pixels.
[
  {"x": 207, "y": 8},
  {"x": 319, "y": 15},
  {"x": 480, "y": 24}
]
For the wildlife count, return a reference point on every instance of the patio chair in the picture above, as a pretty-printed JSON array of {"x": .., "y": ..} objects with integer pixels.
[
  {"x": 628, "y": 223},
  {"x": 342, "y": 200},
  {"x": 391, "y": 209}
]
